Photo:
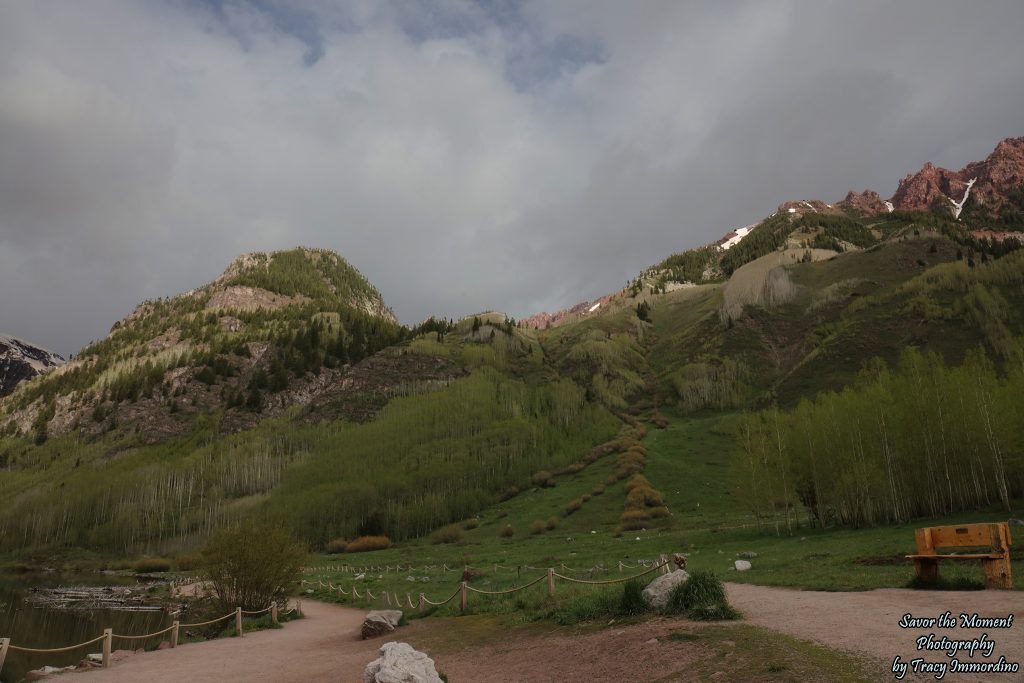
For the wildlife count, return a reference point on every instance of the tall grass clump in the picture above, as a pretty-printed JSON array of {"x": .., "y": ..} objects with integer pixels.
[
  {"x": 613, "y": 603},
  {"x": 702, "y": 598}
]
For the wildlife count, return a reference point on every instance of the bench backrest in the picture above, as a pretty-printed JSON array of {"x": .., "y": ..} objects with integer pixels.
[{"x": 991, "y": 535}]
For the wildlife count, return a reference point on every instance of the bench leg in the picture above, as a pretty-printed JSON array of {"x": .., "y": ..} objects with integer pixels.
[
  {"x": 927, "y": 570},
  {"x": 997, "y": 573}
]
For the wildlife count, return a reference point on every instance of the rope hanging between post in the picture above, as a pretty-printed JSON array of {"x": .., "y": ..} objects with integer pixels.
[
  {"x": 15, "y": 648},
  {"x": 148, "y": 635}
]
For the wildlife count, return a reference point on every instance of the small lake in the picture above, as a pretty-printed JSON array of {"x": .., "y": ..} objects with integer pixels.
[{"x": 41, "y": 627}]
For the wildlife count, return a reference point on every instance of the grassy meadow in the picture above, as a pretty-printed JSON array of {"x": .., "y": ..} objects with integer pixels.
[{"x": 691, "y": 462}]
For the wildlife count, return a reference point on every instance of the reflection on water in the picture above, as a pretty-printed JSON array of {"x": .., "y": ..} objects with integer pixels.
[{"x": 38, "y": 627}]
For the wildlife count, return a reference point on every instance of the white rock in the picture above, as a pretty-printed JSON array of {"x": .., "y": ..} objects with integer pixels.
[
  {"x": 400, "y": 663},
  {"x": 657, "y": 592},
  {"x": 741, "y": 565},
  {"x": 380, "y": 622}
]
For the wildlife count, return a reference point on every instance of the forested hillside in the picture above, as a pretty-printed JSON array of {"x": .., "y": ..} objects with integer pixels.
[{"x": 864, "y": 350}]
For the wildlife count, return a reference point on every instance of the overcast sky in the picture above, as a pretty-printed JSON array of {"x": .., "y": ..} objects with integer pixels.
[{"x": 520, "y": 157}]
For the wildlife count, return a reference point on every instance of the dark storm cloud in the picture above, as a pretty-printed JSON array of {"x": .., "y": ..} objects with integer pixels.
[{"x": 464, "y": 156}]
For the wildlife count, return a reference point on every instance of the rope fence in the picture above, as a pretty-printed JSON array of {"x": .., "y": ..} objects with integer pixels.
[
  {"x": 174, "y": 630},
  {"x": 348, "y": 569},
  {"x": 395, "y": 600}
]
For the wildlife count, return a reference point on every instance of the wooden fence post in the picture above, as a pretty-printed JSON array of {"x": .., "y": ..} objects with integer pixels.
[
  {"x": 238, "y": 621},
  {"x": 273, "y": 613},
  {"x": 108, "y": 637},
  {"x": 174, "y": 633},
  {"x": 4, "y": 644},
  {"x": 423, "y": 601},
  {"x": 664, "y": 564},
  {"x": 551, "y": 582},
  {"x": 462, "y": 596}
]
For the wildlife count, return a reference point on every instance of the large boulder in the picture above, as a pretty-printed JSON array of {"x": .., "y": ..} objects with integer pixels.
[
  {"x": 657, "y": 592},
  {"x": 381, "y": 622},
  {"x": 400, "y": 663}
]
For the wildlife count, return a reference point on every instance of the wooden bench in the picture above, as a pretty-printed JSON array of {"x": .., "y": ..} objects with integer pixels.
[{"x": 994, "y": 538}]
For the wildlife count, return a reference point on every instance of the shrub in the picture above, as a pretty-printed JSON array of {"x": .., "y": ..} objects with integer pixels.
[
  {"x": 510, "y": 492},
  {"x": 539, "y": 526},
  {"x": 188, "y": 562},
  {"x": 659, "y": 512},
  {"x": 367, "y": 543},
  {"x": 634, "y": 519},
  {"x": 253, "y": 564},
  {"x": 447, "y": 534},
  {"x": 471, "y": 523},
  {"x": 702, "y": 597},
  {"x": 598, "y": 490},
  {"x": 151, "y": 564},
  {"x": 637, "y": 480},
  {"x": 643, "y": 496},
  {"x": 585, "y": 497},
  {"x": 572, "y": 468},
  {"x": 542, "y": 479},
  {"x": 507, "y": 531},
  {"x": 336, "y": 545},
  {"x": 552, "y": 523},
  {"x": 572, "y": 506}
]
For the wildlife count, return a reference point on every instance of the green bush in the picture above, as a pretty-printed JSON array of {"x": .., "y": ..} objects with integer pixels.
[
  {"x": 253, "y": 564},
  {"x": 507, "y": 531},
  {"x": 702, "y": 598},
  {"x": 539, "y": 526}
]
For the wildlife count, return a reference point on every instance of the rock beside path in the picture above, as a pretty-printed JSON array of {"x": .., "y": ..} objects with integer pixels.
[
  {"x": 658, "y": 591},
  {"x": 380, "y": 622},
  {"x": 400, "y": 663},
  {"x": 742, "y": 565}
]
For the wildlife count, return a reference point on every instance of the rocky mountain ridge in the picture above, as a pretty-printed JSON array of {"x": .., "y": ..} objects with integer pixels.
[
  {"x": 984, "y": 195},
  {"x": 20, "y": 361}
]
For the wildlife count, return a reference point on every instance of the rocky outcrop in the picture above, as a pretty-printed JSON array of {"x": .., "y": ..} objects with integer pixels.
[
  {"x": 934, "y": 187},
  {"x": 21, "y": 361},
  {"x": 400, "y": 663},
  {"x": 867, "y": 201},
  {"x": 242, "y": 298},
  {"x": 380, "y": 622},
  {"x": 658, "y": 591}
]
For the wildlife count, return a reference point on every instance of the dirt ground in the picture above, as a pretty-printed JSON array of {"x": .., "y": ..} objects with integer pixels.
[{"x": 326, "y": 646}]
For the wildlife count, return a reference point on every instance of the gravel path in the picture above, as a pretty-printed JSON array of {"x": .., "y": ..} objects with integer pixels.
[
  {"x": 868, "y": 622},
  {"x": 325, "y": 646}
]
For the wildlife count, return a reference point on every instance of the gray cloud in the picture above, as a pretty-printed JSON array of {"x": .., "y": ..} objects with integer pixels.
[{"x": 464, "y": 156}]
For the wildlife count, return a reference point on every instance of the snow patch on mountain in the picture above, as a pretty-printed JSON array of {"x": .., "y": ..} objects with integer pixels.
[
  {"x": 735, "y": 237},
  {"x": 959, "y": 206},
  {"x": 20, "y": 361}
]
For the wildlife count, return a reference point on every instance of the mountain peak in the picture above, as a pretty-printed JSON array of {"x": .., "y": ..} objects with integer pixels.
[
  {"x": 989, "y": 182},
  {"x": 20, "y": 361},
  {"x": 299, "y": 275}
]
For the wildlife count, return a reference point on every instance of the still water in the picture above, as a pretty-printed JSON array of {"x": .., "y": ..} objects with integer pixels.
[{"x": 38, "y": 627}]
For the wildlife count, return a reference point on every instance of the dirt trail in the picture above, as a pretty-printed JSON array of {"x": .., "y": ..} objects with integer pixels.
[
  {"x": 868, "y": 622},
  {"x": 326, "y": 646}
]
